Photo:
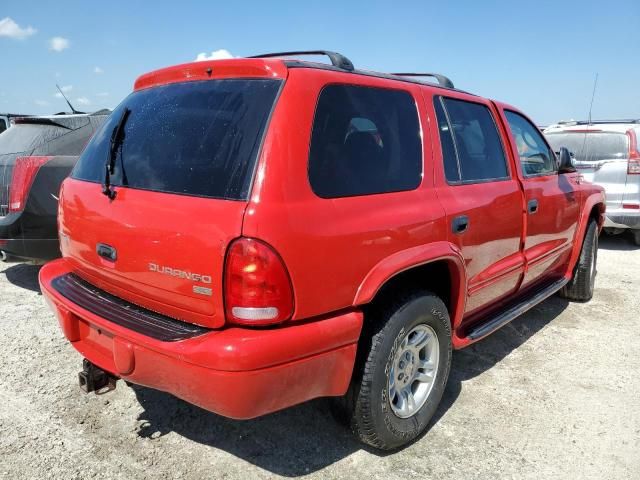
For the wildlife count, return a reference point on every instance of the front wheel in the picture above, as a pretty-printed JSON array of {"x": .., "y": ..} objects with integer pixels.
[
  {"x": 404, "y": 373},
  {"x": 581, "y": 286}
]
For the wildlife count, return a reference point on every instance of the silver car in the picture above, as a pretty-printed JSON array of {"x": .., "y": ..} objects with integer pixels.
[{"x": 607, "y": 153}]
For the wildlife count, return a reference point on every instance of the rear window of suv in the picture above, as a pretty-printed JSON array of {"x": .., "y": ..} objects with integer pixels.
[
  {"x": 365, "y": 141},
  {"x": 26, "y": 137},
  {"x": 193, "y": 138},
  {"x": 591, "y": 147}
]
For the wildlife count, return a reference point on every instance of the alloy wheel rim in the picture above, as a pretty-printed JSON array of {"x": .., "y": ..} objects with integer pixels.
[{"x": 413, "y": 371}]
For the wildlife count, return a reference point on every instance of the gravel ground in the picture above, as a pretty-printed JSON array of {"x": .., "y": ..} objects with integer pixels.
[{"x": 556, "y": 394}]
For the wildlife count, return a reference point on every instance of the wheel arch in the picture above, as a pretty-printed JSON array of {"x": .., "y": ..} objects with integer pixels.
[
  {"x": 593, "y": 208},
  {"x": 438, "y": 267}
]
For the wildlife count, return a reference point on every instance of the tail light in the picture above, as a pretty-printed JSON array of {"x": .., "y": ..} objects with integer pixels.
[
  {"x": 257, "y": 286},
  {"x": 633, "y": 165},
  {"x": 24, "y": 172}
]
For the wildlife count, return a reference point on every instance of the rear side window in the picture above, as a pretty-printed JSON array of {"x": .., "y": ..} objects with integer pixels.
[
  {"x": 192, "y": 138},
  {"x": 591, "y": 147},
  {"x": 364, "y": 141},
  {"x": 3, "y": 125},
  {"x": 470, "y": 129}
]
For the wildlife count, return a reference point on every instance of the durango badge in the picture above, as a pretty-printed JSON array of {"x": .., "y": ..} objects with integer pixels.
[{"x": 174, "y": 272}]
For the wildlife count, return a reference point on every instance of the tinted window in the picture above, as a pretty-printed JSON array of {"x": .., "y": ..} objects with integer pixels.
[
  {"x": 25, "y": 137},
  {"x": 195, "y": 138},
  {"x": 591, "y": 147},
  {"x": 451, "y": 171},
  {"x": 3, "y": 125},
  {"x": 364, "y": 141},
  {"x": 475, "y": 137},
  {"x": 535, "y": 156}
]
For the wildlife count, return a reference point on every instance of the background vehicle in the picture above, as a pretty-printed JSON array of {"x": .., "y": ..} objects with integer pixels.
[
  {"x": 249, "y": 234},
  {"x": 6, "y": 120},
  {"x": 35, "y": 156},
  {"x": 607, "y": 153}
]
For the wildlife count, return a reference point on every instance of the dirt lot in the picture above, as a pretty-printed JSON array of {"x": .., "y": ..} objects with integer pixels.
[{"x": 556, "y": 394}]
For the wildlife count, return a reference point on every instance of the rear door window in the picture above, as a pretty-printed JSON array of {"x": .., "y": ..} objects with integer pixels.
[
  {"x": 364, "y": 141},
  {"x": 194, "y": 138},
  {"x": 472, "y": 149},
  {"x": 3, "y": 125}
]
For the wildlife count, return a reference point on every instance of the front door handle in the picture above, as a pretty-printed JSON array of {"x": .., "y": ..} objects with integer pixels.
[
  {"x": 532, "y": 206},
  {"x": 460, "y": 224}
]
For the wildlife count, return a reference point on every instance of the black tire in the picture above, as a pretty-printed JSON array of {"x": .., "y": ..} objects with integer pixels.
[
  {"x": 636, "y": 237},
  {"x": 580, "y": 287},
  {"x": 366, "y": 405}
]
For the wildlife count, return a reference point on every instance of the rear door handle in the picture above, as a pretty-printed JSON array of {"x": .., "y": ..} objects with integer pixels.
[
  {"x": 532, "y": 206},
  {"x": 460, "y": 224}
]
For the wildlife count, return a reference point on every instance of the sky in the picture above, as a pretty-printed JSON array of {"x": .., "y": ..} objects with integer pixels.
[{"x": 540, "y": 56}]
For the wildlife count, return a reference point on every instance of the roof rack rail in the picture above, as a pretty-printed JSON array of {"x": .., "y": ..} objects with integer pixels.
[
  {"x": 337, "y": 60},
  {"x": 442, "y": 80},
  {"x": 597, "y": 122}
]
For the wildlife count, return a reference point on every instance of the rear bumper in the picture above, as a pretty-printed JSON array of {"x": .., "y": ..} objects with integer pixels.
[
  {"x": 622, "y": 218},
  {"x": 236, "y": 372},
  {"x": 29, "y": 236},
  {"x": 30, "y": 249}
]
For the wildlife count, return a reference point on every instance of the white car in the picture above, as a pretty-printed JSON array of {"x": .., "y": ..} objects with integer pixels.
[{"x": 607, "y": 153}]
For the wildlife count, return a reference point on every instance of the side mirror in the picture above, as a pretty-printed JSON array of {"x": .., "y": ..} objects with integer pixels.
[{"x": 565, "y": 164}]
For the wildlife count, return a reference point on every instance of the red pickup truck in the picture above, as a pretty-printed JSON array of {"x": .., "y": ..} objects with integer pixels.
[{"x": 249, "y": 234}]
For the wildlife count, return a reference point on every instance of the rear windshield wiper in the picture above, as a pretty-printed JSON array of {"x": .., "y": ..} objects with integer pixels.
[{"x": 116, "y": 139}]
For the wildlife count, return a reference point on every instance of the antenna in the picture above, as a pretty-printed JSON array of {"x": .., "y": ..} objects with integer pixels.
[
  {"x": 583, "y": 153},
  {"x": 73, "y": 110},
  {"x": 593, "y": 95}
]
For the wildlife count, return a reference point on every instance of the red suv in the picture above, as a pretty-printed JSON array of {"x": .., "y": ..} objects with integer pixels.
[{"x": 252, "y": 233}]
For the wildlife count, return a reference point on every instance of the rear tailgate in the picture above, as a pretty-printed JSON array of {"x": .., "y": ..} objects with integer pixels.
[
  {"x": 6, "y": 171},
  {"x": 183, "y": 157},
  {"x": 169, "y": 248},
  {"x": 33, "y": 136}
]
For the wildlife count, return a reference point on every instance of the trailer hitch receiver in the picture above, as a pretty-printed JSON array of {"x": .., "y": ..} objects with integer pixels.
[{"x": 94, "y": 379}]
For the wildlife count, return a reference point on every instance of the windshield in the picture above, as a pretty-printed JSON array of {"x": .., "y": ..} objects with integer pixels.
[
  {"x": 194, "y": 138},
  {"x": 591, "y": 147}
]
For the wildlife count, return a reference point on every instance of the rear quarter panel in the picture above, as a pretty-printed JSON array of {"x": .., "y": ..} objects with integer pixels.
[{"x": 331, "y": 245}]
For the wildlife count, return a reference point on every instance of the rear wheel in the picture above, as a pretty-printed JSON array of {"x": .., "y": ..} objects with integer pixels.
[
  {"x": 636, "y": 237},
  {"x": 580, "y": 287},
  {"x": 403, "y": 373}
]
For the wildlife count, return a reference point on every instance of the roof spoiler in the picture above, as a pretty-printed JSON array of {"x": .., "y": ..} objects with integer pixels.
[{"x": 39, "y": 121}]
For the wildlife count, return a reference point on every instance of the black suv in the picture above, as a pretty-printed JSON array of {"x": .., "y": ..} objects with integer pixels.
[{"x": 36, "y": 155}]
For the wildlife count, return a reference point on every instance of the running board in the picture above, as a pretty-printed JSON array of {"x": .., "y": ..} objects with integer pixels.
[{"x": 515, "y": 311}]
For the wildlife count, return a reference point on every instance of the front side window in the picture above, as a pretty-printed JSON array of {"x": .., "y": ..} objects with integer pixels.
[
  {"x": 468, "y": 131},
  {"x": 364, "y": 141},
  {"x": 3, "y": 125},
  {"x": 536, "y": 158}
]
